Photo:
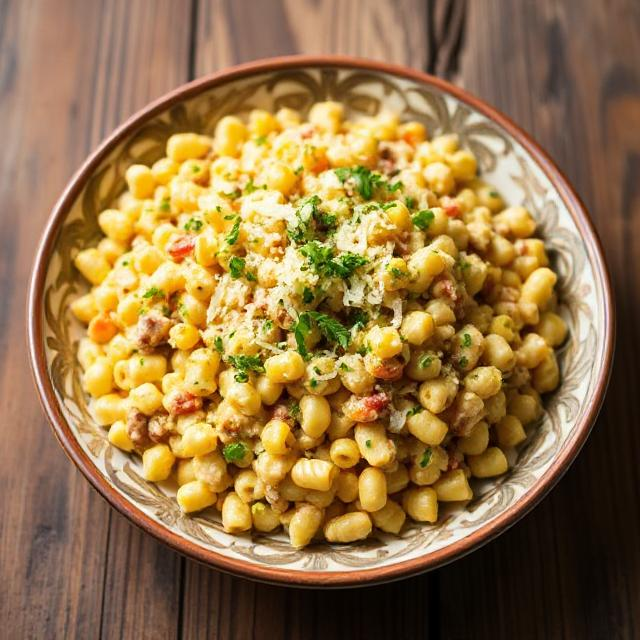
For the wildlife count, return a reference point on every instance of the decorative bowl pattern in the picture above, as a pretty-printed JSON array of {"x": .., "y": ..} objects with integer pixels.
[{"x": 507, "y": 158}]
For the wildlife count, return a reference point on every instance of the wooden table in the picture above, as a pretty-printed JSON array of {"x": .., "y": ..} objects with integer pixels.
[{"x": 70, "y": 70}]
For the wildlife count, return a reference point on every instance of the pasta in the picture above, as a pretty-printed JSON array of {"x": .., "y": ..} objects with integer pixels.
[{"x": 330, "y": 326}]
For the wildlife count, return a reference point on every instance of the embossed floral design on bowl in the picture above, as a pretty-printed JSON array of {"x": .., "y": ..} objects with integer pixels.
[{"x": 507, "y": 158}]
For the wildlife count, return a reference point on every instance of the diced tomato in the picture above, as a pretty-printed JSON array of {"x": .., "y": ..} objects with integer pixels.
[
  {"x": 322, "y": 164},
  {"x": 181, "y": 247},
  {"x": 452, "y": 209}
]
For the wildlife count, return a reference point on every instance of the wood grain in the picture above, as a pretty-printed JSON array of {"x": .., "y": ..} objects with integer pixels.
[
  {"x": 69, "y": 73},
  {"x": 70, "y": 70},
  {"x": 572, "y": 568}
]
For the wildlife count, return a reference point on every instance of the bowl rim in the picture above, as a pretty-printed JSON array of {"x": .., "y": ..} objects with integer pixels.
[{"x": 246, "y": 568}]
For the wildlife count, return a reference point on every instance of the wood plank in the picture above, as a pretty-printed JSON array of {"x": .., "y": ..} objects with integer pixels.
[
  {"x": 572, "y": 568},
  {"x": 230, "y": 31},
  {"x": 69, "y": 72}
]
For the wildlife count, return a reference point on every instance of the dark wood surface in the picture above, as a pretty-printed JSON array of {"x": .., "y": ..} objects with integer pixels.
[{"x": 70, "y": 70}]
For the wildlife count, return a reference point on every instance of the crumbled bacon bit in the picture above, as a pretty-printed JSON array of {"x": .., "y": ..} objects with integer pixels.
[
  {"x": 181, "y": 247},
  {"x": 180, "y": 402},
  {"x": 137, "y": 427},
  {"x": 366, "y": 408},
  {"x": 159, "y": 428},
  {"x": 466, "y": 411},
  {"x": 307, "y": 132},
  {"x": 281, "y": 412},
  {"x": 152, "y": 330},
  {"x": 444, "y": 287},
  {"x": 384, "y": 369}
]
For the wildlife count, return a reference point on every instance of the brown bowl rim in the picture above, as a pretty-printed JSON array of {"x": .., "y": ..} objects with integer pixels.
[{"x": 245, "y": 568}]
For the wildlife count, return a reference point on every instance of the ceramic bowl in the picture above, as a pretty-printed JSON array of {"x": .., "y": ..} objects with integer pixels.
[{"x": 507, "y": 158}]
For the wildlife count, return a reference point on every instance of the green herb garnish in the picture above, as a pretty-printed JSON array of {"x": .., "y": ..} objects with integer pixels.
[
  {"x": 330, "y": 328},
  {"x": 414, "y": 410},
  {"x": 322, "y": 260},
  {"x": 234, "y": 451},
  {"x": 232, "y": 238},
  {"x": 423, "y": 219},
  {"x": 365, "y": 181},
  {"x": 153, "y": 292},
  {"x": 243, "y": 365},
  {"x": 425, "y": 361},
  {"x": 193, "y": 225},
  {"x": 411, "y": 202},
  {"x": 466, "y": 340},
  {"x": 307, "y": 295},
  {"x": 236, "y": 267},
  {"x": 217, "y": 344},
  {"x": 426, "y": 457}
]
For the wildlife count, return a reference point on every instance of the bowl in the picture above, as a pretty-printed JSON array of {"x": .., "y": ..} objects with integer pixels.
[{"x": 507, "y": 158}]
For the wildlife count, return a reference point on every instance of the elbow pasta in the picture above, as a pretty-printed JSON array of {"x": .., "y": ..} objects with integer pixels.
[{"x": 326, "y": 325}]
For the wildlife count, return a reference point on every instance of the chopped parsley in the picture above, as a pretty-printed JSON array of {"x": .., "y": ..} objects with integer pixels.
[
  {"x": 414, "y": 411},
  {"x": 301, "y": 330},
  {"x": 307, "y": 295},
  {"x": 344, "y": 367},
  {"x": 425, "y": 361},
  {"x": 250, "y": 187},
  {"x": 294, "y": 410},
  {"x": 322, "y": 260},
  {"x": 234, "y": 451},
  {"x": 411, "y": 202},
  {"x": 395, "y": 186},
  {"x": 346, "y": 263},
  {"x": 217, "y": 344},
  {"x": 494, "y": 194},
  {"x": 310, "y": 219},
  {"x": 423, "y": 219},
  {"x": 193, "y": 225},
  {"x": 463, "y": 362},
  {"x": 260, "y": 140},
  {"x": 267, "y": 325},
  {"x": 313, "y": 383},
  {"x": 331, "y": 329},
  {"x": 153, "y": 293},
  {"x": 464, "y": 264},
  {"x": 164, "y": 205},
  {"x": 368, "y": 444},
  {"x": 466, "y": 340},
  {"x": 196, "y": 168},
  {"x": 365, "y": 181},
  {"x": 426, "y": 457},
  {"x": 243, "y": 365},
  {"x": 236, "y": 267},
  {"x": 359, "y": 318},
  {"x": 232, "y": 238},
  {"x": 299, "y": 170},
  {"x": 232, "y": 195}
]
